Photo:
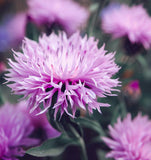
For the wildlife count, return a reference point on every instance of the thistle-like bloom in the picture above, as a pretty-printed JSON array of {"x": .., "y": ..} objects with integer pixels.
[
  {"x": 15, "y": 129},
  {"x": 66, "y": 13},
  {"x": 130, "y": 139},
  {"x": 64, "y": 73},
  {"x": 132, "y": 22}
]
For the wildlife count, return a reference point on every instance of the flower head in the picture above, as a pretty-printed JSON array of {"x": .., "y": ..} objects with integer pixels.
[
  {"x": 130, "y": 139},
  {"x": 63, "y": 73},
  {"x": 67, "y": 13},
  {"x": 132, "y": 22},
  {"x": 15, "y": 129}
]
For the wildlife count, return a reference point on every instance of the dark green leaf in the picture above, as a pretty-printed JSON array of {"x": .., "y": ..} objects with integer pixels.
[
  {"x": 53, "y": 147},
  {"x": 94, "y": 125},
  {"x": 71, "y": 127}
]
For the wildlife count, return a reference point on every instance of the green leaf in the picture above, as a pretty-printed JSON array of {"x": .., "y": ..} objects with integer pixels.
[
  {"x": 142, "y": 61},
  {"x": 53, "y": 147},
  {"x": 120, "y": 111},
  {"x": 87, "y": 123},
  {"x": 71, "y": 127}
]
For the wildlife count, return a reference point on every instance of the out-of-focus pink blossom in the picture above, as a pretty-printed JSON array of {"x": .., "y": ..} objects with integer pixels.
[
  {"x": 67, "y": 13},
  {"x": 130, "y": 139},
  {"x": 15, "y": 129},
  {"x": 71, "y": 70},
  {"x": 132, "y": 90},
  {"x": 12, "y": 31},
  {"x": 132, "y": 22}
]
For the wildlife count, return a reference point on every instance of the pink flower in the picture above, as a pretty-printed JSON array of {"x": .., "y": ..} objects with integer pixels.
[
  {"x": 73, "y": 71},
  {"x": 67, "y": 13},
  {"x": 15, "y": 129},
  {"x": 130, "y": 139},
  {"x": 12, "y": 31},
  {"x": 134, "y": 85},
  {"x": 133, "y": 22},
  {"x": 132, "y": 90}
]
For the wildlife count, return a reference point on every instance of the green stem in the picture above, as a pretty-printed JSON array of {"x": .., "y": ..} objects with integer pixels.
[
  {"x": 83, "y": 149},
  {"x": 94, "y": 20},
  {"x": 81, "y": 141},
  {"x": 75, "y": 134},
  {"x": 74, "y": 131},
  {"x": 2, "y": 98},
  {"x": 122, "y": 105}
]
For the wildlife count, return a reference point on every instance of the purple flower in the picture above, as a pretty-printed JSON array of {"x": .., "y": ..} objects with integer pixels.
[
  {"x": 71, "y": 70},
  {"x": 132, "y": 90},
  {"x": 130, "y": 139},
  {"x": 15, "y": 129},
  {"x": 134, "y": 84},
  {"x": 67, "y": 13},
  {"x": 10, "y": 36},
  {"x": 132, "y": 22}
]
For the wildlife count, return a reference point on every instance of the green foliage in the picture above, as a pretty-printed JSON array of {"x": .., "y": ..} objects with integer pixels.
[
  {"x": 53, "y": 147},
  {"x": 91, "y": 124}
]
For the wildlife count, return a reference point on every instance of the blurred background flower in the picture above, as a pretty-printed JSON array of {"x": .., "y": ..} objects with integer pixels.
[
  {"x": 133, "y": 23},
  {"x": 12, "y": 31},
  {"x": 132, "y": 90},
  {"x": 67, "y": 14},
  {"x": 15, "y": 131},
  {"x": 130, "y": 139}
]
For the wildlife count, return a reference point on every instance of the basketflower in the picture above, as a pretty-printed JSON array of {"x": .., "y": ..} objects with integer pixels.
[
  {"x": 15, "y": 129},
  {"x": 133, "y": 22},
  {"x": 66, "y": 13},
  {"x": 63, "y": 73},
  {"x": 130, "y": 139}
]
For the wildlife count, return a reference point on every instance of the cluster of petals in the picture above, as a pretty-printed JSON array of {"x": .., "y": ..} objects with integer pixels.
[
  {"x": 10, "y": 35},
  {"x": 132, "y": 22},
  {"x": 15, "y": 129},
  {"x": 63, "y": 73},
  {"x": 130, "y": 139},
  {"x": 66, "y": 13}
]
